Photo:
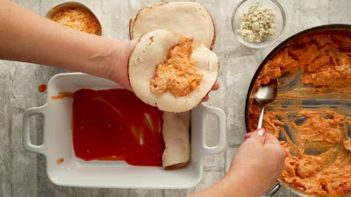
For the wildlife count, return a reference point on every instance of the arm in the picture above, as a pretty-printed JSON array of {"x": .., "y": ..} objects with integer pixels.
[
  {"x": 25, "y": 36},
  {"x": 255, "y": 167}
]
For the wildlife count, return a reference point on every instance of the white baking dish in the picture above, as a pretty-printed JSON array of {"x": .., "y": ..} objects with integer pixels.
[{"x": 57, "y": 143}]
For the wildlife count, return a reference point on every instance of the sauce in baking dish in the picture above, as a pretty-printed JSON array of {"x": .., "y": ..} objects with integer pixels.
[{"x": 115, "y": 125}]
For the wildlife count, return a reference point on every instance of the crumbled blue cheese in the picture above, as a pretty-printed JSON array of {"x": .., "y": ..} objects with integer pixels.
[{"x": 257, "y": 24}]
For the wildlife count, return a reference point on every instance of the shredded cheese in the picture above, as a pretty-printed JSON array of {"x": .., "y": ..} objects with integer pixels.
[{"x": 78, "y": 18}]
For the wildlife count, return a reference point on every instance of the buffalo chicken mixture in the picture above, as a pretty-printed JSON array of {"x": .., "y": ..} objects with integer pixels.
[
  {"x": 179, "y": 73},
  {"x": 316, "y": 139}
]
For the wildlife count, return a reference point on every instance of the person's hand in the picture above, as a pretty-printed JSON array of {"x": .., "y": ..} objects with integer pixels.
[
  {"x": 256, "y": 165},
  {"x": 258, "y": 162},
  {"x": 118, "y": 61},
  {"x": 214, "y": 88}
]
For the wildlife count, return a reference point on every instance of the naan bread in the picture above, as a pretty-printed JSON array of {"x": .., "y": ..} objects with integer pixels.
[
  {"x": 177, "y": 139},
  {"x": 187, "y": 18},
  {"x": 151, "y": 50}
]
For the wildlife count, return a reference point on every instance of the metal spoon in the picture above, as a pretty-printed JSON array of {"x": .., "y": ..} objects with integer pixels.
[{"x": 265, "y": 94}]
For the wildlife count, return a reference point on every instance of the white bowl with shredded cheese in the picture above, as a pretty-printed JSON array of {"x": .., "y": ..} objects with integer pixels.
[
  {"x": 76, "y": 16},
  {"x": 258, "y": 23}
]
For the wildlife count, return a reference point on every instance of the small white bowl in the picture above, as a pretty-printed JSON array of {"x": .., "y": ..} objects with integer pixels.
[
  {"x": 244, "y": 6},
  {"x": 54, "y": 9}
]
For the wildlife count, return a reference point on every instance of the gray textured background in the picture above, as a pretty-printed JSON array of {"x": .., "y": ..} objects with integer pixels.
[{"x": 24, "y": 174}]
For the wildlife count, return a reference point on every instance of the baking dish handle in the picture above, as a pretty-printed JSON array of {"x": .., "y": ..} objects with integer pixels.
[
  {"x": 26, "y": 129},
  {"x": 219, "y": 113}
]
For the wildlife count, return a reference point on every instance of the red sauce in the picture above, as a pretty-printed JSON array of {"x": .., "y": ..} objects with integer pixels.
[
  {"x": 115, "y": 125},
  {"x": 42, "y": 88}
]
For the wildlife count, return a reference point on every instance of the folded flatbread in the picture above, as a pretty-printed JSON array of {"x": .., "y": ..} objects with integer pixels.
[
  {"x": 151, "y": 50},
  {"x": 177, "y": 140},
  {"x": 187, "y": 18}
]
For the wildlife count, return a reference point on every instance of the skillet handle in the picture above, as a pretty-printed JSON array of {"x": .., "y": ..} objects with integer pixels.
[
  {"x": 219, "y": 113},
  {"x": 273, "y": 190},
  {"x": 26, "y": 129}
]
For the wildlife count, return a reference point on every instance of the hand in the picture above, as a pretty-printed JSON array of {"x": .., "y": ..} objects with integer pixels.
[
  {"x": 258, "y": 162},
  {"x": 118, "y": 71},
  {"x": 214, "y": 88}
]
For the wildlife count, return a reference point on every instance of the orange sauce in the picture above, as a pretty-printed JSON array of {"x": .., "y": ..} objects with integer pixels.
[
  {"x": 115, "y": 125},
  {"x": 42, "y": 88},
  {"x": 60, "y": 160},
  {"x": 62, "y": 95}
]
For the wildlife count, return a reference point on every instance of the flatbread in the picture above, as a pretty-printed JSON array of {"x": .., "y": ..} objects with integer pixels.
[
  {"x": 151, "y": 50},
  {"x": 177, "y": 139},
  {"x": 187, "y": 18}
]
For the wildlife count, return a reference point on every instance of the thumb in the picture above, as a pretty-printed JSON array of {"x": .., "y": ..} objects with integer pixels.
[
  {"x": 271, "y": 139},
  {"x": 132, "y": 44},
  {"x": 259, "y": 135}
]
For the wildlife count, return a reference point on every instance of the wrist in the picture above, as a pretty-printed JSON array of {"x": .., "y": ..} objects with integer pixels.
[
  {"x": 242, "y": 183},
  {"x": 117, "y": 62}
]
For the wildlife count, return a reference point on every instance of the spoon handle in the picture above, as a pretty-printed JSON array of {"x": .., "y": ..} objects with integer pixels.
[{"x": 260, "y": 120}]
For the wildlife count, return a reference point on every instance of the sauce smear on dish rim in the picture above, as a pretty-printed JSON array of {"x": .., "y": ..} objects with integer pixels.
[{"x": 42, "y": 88}]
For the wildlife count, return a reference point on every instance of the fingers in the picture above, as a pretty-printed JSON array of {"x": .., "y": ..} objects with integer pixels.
[
  {"x": 260, "y": 132},
  {"x": 133, "y": 43},
  {"x": 248, "y": 135},
  {"x": 214, "y": 88},
  {"x": 266, "y": 138},
  {"x": 271, "y": 139},
  {"x": 259, "y": 135}
]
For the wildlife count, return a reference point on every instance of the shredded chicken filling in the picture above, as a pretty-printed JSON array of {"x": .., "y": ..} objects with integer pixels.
[
  {"x": 179, "y": 73},
  {"x": 322, "y": 63}
]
